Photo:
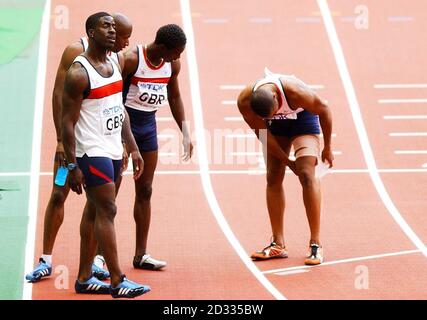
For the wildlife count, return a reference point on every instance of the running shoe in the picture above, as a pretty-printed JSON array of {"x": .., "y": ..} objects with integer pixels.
[
  {"x": 128, "y": 289},
  {"x": 314, "y": 255},
  {"x": 92, "y": 286},
  {"x": 270, "y": 252},
  {"x": 42, "y": 270},
  {"x": 148, "y": 262},
  {"x": 99, "y": 273}
]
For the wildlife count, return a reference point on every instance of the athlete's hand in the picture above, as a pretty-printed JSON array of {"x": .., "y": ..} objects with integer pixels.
[
  {"x": 138, "y": 164},
  {"x": 60, "y": 155},
  {"x": 327, "y": 156},
  {"x": 125, "y": 158},
  {"x": 76, "y": 180},
  {"x": 188, "y": 148}
]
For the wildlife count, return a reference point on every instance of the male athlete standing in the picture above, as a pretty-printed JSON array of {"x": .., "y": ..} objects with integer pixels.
[
  {"x": 54, "y": 214},
  {"x": 152, "y": 71},
  {"x": 94, "y": 123},
  {"x": 290, "y": 111}
]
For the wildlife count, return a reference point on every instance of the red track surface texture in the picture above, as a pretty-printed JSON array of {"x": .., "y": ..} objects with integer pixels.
[{"x": 234, "y": 41}]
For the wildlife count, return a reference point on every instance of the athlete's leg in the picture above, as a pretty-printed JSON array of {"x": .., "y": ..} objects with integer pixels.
[
  {"x": 275, "y": 192},
  {"x": 275, "y": 196},
  {"x": 142, "y": 206},
  {"x": 311, "y": 194},
  {"x": 103, "y": 199},
  {"x": 54, "y": 214},
  {"x": 306, "y": 151},
  {"x": 312, "y": 200},
  {"x": 88, "y": 243},
  {"x": 117, "y": 183},
  {"x": 98, "y": 220}
]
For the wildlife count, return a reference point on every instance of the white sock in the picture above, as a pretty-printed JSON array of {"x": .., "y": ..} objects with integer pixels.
[
  {"x": 99, "y": 261},
  {"x": 47, "y": 258}
]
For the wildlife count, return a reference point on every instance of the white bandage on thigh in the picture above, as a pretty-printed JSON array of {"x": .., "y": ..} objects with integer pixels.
[{"x": 306, "y": 145}]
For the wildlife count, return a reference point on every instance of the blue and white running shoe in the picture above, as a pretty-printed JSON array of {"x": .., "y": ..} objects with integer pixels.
[
  {"x": 100, "y": 273},
  {"x": 128, "y": 289},
  {"x": 42, "y": 270},
  {"x": 92, "y": 286}
]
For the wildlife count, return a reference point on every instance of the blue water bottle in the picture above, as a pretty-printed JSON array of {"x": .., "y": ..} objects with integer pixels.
[{"x": 61, "y": 176}]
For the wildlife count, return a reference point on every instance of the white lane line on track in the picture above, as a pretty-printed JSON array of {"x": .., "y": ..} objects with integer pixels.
[
  {"x": 232, "y": 119},
  {"x": 36, "y": 149},
  {"x": 410, "y": 152},
  {"x": 184, "y": 172},
  {"x": 202, "y": 153},
  {"x": 350, "y": 260},
  {"x": 360, "y": 127},
  {"x": 400, "y": 85},
  {"x": 229, "y": 102},
  {"x": 290, "y": 272},
  {"x": 397, "y": 101},
  {"x": 405, "y": 117},
  {"x": 407, "y": 134}
]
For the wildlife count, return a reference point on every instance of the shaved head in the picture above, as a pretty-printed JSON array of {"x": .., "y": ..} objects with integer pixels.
[
  {"x": 262, "y": 102},
  {"x": 123, "y": 31},
  {"x": 122, "y": 22}
]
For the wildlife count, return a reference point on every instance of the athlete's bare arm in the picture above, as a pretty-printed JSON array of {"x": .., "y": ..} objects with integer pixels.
[
  {"x": 76, "y": 82},
  {"x": 257, "y": 124},
  {"x": 300, "y": 95},
  {"x": 132, "y": 147},
  {"x": 130, "y": 63},
  {"x": 125, "y": 157},
  {"x": 121, "y": 59},
  {"x": 68, "y": 56},
  {"x": 177, "y": 109}
]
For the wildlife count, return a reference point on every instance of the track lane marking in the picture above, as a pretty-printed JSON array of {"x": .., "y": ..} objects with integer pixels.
[
  {"x": 202, "y": 153},
  {"x": 360, "y": 127},
  {"x": 400, "y": 85},
  {"x": 407, "y": 134},
  {"x": 405, "y": 117},
  {"x": 390, "y": 101},
  {"x": 410, "y": 152},
  {"x": 349, "y": 260},
  {"x": 36, "y": 149},
  {"x": 183, "y": 172}
]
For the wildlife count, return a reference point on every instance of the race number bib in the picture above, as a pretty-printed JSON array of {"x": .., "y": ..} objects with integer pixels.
[
  {"x": 152, "y": 95},
  {"x": 112, "y": 120}
]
